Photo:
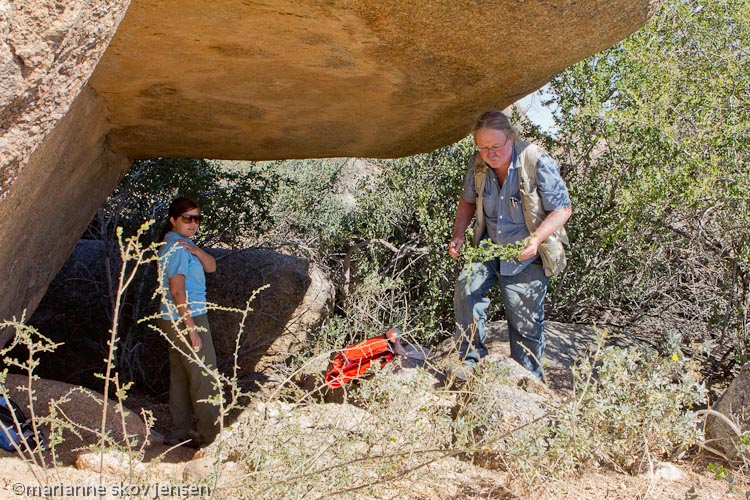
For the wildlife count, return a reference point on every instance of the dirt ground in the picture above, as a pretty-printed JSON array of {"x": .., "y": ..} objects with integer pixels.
[
  {"x": 689, "y": 479},
  {"x": 682, "y": 481}
]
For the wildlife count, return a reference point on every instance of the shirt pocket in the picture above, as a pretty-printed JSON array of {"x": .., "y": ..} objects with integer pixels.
[
  {"x": 490, "y": 198},
  {"x": 515, "y": 209}
]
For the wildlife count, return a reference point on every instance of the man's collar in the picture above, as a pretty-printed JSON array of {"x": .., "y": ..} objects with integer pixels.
[{"x": 513, "y": 158}]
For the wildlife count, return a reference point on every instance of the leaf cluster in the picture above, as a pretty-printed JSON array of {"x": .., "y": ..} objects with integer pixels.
[
  {"x": 631, "y": 406},
  {"x": 488, "y": 250},
  {"x": 235, "y": 198}
]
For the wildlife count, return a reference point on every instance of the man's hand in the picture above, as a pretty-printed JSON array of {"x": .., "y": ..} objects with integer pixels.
[
  {"x": 454, "y": 246},
  {"x": 530, "y": 249}
]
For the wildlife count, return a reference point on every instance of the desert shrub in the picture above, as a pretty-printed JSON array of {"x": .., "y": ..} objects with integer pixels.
[
  {"x": 298, "y": 449},
  {"x": 398, "y": 235},
  {"x": 385, "y": 245},
  {"x": 114, "y": 441},
  {"x": 308, "y": 205},
  {"x": 34, "y": 344},
  {"x": 652, "y": 134},
  {"x": 134, "y": 254},
  {"x": 630, "y": 407},
  {"x": 491, "y": 408}
]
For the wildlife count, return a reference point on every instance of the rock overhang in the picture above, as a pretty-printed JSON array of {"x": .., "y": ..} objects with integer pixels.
[{"x": 262, "y": 80}]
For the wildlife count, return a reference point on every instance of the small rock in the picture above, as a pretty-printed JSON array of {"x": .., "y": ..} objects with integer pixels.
[
  {"x": 205, "y": 467},
  {"x": 735, "y": 405},
  {"x": 114, "y": 462},
  {"x": 665, "y": 471}
]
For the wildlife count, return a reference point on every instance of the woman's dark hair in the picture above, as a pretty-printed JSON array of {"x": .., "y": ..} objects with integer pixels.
[{"x": 178, "y": 207}]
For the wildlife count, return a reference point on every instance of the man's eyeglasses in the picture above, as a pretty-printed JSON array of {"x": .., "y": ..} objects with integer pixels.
[
  {"x": 495, "y": 148},
  {"x": 187, "y": 219}
]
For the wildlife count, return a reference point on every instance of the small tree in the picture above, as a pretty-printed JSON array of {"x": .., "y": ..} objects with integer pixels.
[{"x": 653, "y": 134}]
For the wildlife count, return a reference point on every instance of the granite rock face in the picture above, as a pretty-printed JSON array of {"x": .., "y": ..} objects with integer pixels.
[
  {"x": 55, "y": 165},
  {"x": 288, "y": 79},
  {"x": 734, "y": 404},
  {"x": 89, "y": 86},
  {"x": 48, "y": 50}
]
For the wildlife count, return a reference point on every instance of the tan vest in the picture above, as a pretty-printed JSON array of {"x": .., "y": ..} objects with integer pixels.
[{"x": 551, "y": 249}]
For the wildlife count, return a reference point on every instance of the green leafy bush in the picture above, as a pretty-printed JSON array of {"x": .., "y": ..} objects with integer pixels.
[
  {"x": 386, "y": 246},
  {"x": 236, "y": 198},
  {"x": 308, "y": 205},
  {"x": 630, "y": 407},
  {"x": 653, "y": 139},
  {"x": 412, "y": 205}
]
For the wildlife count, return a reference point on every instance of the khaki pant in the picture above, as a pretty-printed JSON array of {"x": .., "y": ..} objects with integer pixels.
[{"x": 189, "y": 383}]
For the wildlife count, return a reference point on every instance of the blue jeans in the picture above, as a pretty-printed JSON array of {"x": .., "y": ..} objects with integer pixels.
[{"x": 523, "y": 297}]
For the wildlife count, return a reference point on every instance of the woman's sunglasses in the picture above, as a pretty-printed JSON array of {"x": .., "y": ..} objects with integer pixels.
[{"x": 187, "y": 219}]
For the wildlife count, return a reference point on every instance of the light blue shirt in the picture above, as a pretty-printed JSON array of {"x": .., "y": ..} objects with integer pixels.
[
  {"x": 502, "y": 204},
  {"x": 175, "y": 259}
]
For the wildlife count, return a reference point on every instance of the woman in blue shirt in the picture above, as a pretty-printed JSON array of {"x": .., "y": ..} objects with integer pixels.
[{"x": 183, "y": 313}]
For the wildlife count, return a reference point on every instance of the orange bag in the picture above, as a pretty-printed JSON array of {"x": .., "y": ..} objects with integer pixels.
[{"x": 356, "y": 359}]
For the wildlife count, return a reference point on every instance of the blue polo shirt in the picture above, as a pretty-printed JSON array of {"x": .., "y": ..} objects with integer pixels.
[
  {"x": 175, "y": 259},
  {"x": 502, "y": 204}
]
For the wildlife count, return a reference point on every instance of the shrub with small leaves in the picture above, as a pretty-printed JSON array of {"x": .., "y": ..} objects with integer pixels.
[
  {"x": 487, "y": 250},
  {"x": 629, "y": 406}
]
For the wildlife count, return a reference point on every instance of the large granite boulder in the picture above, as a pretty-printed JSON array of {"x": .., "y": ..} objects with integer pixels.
[
  {"x": 296, "y": 296},
  {"x": 290, "y": 79},
  {"x": 734, "y": 404},
  {"x": 55, "y": 168},
  {"x": 248, "y": 80},
  {"x": 74, "y": 311},
  {"x": 79, "y": 411},
  {"x": 48, "y": 50}
]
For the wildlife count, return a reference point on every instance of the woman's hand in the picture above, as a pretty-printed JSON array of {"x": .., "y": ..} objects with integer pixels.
[
  {"x": 207, "y": 261},
  {"x": 193, "y": 249},
  {"x": 195, "y": 338}
]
